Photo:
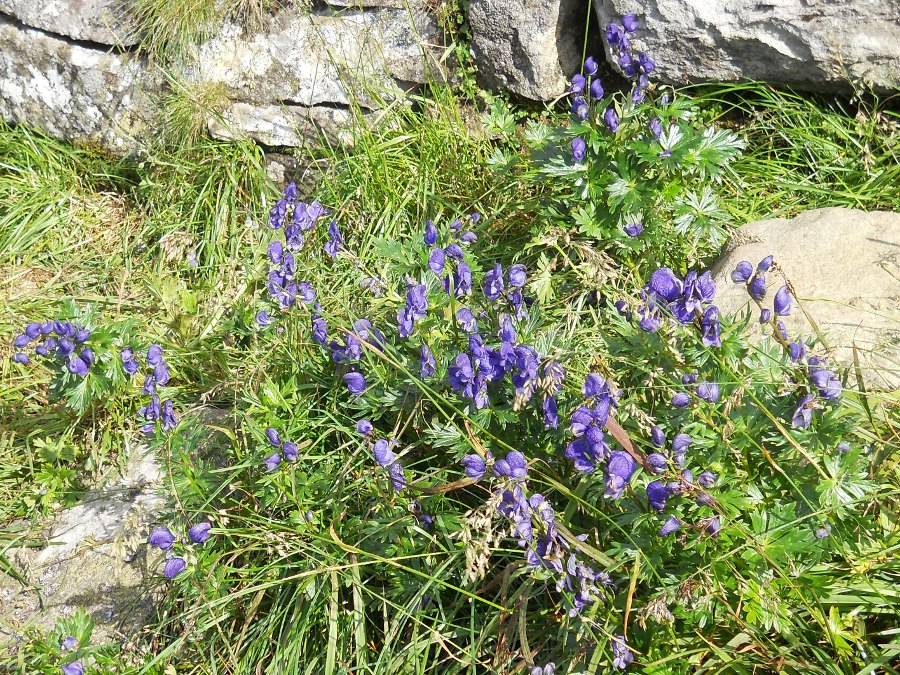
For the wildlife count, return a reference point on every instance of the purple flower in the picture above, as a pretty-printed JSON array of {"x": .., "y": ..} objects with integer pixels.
[
  {"x": 21, "y": 341},
  {"x": 426, "y": 362},
  {"x": 826, "y": 382},
  {"x": 614, "y": 34},
  {"x": 78, "y": 366},
  {"x": 765, "y": 315},
  {"x": 20, "y": 357},
  {"x": 823, "y": 531},
  {"x": 333, "y": 245},
  {"x": 671, "y": 525},
  {"x": 436, "y": 261},
  {"x": 802, "y": 417},
  {"x": 154, "y": 355},
  {"x": 578, "y": 149},
  {"x": 577, "y": 85},
  {"x": 551, "y": 412},
  {"x": 430, "y": 234},
  {"x": 707, "y": 479},
  {"x": 620, "y": 468},
  {"x": 356, "y": 383},
  {"x": 611, "y": 120},
  {"x": 162, "y": 538},
  {"x": 681, "y": 399},
  {"x": 783, "y": 301},
  {"x": 742, "y": 272},
  {"x": 629, "y": 23},
  {"x": 493, "y": 282},
  {"x": 797, "y": 350},
  {"x": 272, "y": 461},
  {"x": 398, "y": 477},
  {"x": 680, "y": 443},
  {"x": 454, "y": 251},
  {"x": 199, "y": 532},
  {"x": 689, "y": 378},
  {"x": 634, "y": 229},
  {"x": 597, "y": 91},
  {"x": 291, "y": 451},
  {"x": 167, "y": 415},
  {"x": 517, "y": 276},
  {"x": 665, "y": 285},
  {"x": 69, "y": 643},
  {"x": 383, "y": 453},
  {"x": 319, "y": 330},
  {"x": 713, "y": 526},
  {"x": 657, "y": 437},
  {"x": 712, "y": 331},
  {"x": 657, "y": 495},
  {"x": 580, "y": 108},
  {"x": 273, "y": 436},
  {"x": 765, "y": 264},
  {"x": 657, "y": 462},
  {"x": 622, "y": 656},
  {"x": 174, "y": 567},
  {"x": 474, "y": 465},
  {"x": 594, "y": 385},
  {"x": 757, "y": 287},
  {"x": 74, "y": 668},
  {"x": 708, "y": 391},
  {"x": 364, "y": 427},
  {"x": 590, "y": 66}
]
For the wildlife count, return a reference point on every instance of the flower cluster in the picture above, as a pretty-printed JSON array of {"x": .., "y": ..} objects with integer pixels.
[
  {"x": 458, "y": 281},
  {"x": 163, "y": 539},
  {"x": 686, "y": 301},
  {"x": 534, "y": 523},
  {"x": 821, "y": 382},
  {"x": 383, "y": 451},
  {"x": 297, "y": 219},
  {"x": 287, "y": 450},
  {"x": 61, "y": 340},
  {"x": 635, "y": 65},
  {"x": 156, "y": 410}
]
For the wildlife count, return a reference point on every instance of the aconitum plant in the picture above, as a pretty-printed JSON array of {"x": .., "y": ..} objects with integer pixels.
[
  {"x": 632, "y": 170},
  {"x": 535, "y": 418}
]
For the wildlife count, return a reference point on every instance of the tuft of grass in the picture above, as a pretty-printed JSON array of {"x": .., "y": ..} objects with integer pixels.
[
  {"x": 184, "y": 110},
  {"x": 808, "y": 151}
]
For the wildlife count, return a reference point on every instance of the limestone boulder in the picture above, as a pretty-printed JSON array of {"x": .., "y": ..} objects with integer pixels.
[
  {"x": 810, "y": 43},
  {"x": 96, "y": 559},
  {"x": 528, "y": 47},
  {"x": 73, "y": 92},
  {"x": 844, "y": 265},
  {"x": 102, "y": 21},
  {"x": 304, "y": 59}
]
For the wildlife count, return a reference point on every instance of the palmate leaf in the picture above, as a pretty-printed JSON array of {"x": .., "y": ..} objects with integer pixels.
[{"x": 717, "y": 148}]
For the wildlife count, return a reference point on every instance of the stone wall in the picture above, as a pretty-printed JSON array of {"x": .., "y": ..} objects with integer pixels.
[{"x": 74, "y": 69}]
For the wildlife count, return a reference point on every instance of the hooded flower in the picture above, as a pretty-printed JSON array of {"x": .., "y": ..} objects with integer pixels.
[
  {"x": 802, "y": 417},
  {"x": 74, "y": 668},
  {"x": 671, "y": 525},
  {"x": 708, "y": 391},
  {"x": 474, "y": 465},
  {"x": 356, "y": 383},
  {"x": 162, "y": 538},
  {"x": 174, "y": 567},
  {"x": 199, "y": 532},
  {"x": 383, "y": 453},
  {"x": 783, "y": 301},
  {"x": 430, "y": 237},
  {"x": 578, "y": 149},
  {"x": 611, "y": 120}
]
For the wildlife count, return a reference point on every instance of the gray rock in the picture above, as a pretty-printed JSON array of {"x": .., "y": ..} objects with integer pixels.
[
  {"x": 336, "y": 60},
  {"x": 844, "y": 265},
  {"x": 273, "y": 125},
  {"x": 811, "y": 43},
  {"x": 96, "y": 558},
  {"x": 528, "y": 47},
  {"x": 102, "y": 21},
  {"x": 73, "y": 92}
]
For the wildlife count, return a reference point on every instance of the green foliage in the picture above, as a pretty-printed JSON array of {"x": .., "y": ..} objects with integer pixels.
[{"x": 321, "y": 567}]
